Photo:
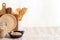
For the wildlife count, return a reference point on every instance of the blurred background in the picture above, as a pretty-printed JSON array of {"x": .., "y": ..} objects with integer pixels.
[{"x": 40, "y": 13}]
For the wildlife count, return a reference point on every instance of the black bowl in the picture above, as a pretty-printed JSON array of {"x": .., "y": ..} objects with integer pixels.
[{"x": 16, "y": 36}]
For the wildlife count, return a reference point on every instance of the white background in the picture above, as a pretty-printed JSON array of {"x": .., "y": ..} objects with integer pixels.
[{"x": 40, "y": 12}]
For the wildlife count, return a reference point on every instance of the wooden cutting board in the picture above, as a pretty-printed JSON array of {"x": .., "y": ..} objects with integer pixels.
[
  {"x": 5, "y": 13},
  {"x": 10, "y": 21}
]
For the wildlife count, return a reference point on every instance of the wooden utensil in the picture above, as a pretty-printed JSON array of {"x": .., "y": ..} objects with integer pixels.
[{"x": 9, "y": 10}]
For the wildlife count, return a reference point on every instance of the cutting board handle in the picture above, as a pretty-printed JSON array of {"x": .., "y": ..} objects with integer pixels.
[{"x": 3, "y": 5}]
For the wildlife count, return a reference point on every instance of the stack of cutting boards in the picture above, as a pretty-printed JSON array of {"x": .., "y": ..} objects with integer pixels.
[{"x": 11, "y": 18}]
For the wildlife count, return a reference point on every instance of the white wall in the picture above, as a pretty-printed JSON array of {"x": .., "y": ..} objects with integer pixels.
[
  {"x": 39, "y": 13},
  {"x": 42, "y": 13}
]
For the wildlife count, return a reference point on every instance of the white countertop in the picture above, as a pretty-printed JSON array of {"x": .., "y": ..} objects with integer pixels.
[{"x": 39, "y": 33}]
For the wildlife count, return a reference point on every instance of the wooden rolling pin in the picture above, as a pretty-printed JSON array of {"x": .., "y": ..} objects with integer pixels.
[{"x": 9, "y": 10}]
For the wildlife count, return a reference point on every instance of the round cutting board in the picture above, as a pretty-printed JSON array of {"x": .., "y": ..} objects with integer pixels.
[{"x": 10, "y": 21}]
